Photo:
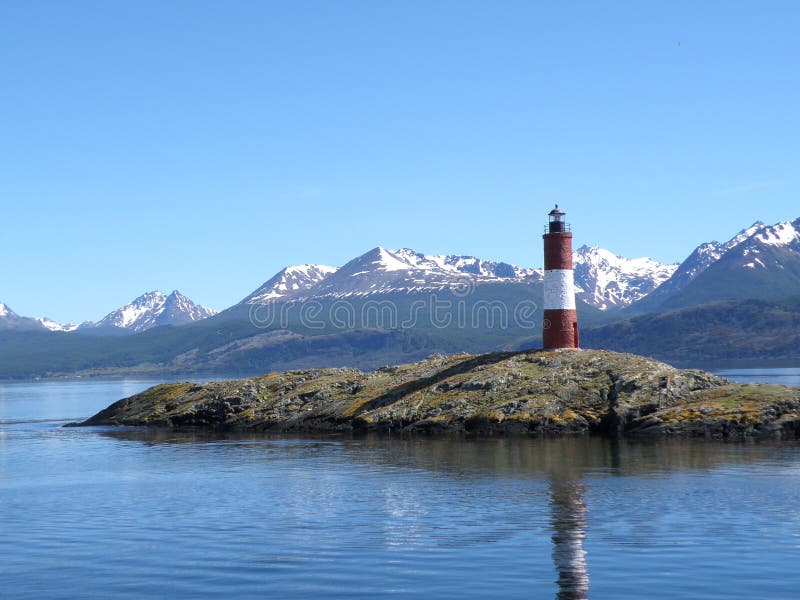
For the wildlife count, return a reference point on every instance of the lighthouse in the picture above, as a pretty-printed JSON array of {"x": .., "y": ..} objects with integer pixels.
[{"x": 560, "y": 322}]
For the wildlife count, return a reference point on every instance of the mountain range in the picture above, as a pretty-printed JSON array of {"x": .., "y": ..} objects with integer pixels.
[
  {"x": 149, "y": 310},
  {"x": 620, "y": 301},
  {"x": 602, "y": 278}
]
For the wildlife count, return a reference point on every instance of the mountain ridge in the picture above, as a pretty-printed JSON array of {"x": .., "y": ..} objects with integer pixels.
[
  {"x": 382, "y": 271},
  {"x": 760, "y": 262}
]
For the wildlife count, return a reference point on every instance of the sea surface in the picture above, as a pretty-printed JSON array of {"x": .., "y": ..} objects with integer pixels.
[{"x": 131, "y": 513}]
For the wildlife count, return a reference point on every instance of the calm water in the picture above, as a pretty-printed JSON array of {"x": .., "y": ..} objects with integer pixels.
[
  {"x": 782, "y": 376},
  {"x": 122, "y": 513}
]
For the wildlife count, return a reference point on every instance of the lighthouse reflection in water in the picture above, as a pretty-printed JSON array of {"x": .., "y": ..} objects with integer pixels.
[{"x": 569, "y": 530}]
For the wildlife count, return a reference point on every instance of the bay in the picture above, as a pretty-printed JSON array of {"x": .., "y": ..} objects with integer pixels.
[{"x": 131, "y": 513}]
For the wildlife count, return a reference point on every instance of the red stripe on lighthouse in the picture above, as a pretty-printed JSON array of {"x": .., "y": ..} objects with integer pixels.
[{"x": 557, "y": 251}]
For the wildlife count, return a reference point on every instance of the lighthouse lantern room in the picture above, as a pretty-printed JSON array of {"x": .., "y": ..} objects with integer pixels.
[
  {"x": 557, "y": 224},
  {"x": 560, "y": 321}
]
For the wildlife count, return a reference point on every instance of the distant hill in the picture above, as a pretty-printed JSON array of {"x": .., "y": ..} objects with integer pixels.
[{"x": 730, "y": 330}]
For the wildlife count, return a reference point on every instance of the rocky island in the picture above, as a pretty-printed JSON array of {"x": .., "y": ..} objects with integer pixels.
[{"x": 531, "y": 392}]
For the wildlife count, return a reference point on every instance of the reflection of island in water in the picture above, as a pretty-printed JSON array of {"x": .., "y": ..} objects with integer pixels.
[{"x": 562, "y": 462}]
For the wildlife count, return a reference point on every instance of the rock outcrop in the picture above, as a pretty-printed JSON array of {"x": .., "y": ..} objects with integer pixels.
[{"x": 536, "y": 392}]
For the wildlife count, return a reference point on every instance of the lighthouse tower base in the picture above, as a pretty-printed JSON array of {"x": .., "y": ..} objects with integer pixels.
[{"x": 560, "y": 329}]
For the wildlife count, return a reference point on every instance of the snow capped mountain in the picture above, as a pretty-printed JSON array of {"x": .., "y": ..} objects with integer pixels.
[
  {"x": 289, "y": 281},
  {"x": 604, "y": 279},
  {"x": 768, "y": 248},
  {"x": 710, "y": 252},
  {"x": 761, "y": 261},
  {"x": 138, "y": 315},
  {"x": 152, "y": 310},
  {"x": 698, "y": 261},
  {"x": 757, "y": 238},
  {"x": 382, "y": 271},
  {"x": 5, "y": 311}
]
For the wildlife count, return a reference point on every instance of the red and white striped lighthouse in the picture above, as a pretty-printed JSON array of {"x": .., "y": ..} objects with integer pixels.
[{"x": 560, "y": 323}]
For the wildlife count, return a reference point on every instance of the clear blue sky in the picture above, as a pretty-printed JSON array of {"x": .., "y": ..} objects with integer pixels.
[{"x": 204, "y": 145}]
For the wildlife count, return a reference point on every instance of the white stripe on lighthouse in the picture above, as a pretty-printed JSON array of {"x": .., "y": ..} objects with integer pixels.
[{"x": 559, "y": 289}]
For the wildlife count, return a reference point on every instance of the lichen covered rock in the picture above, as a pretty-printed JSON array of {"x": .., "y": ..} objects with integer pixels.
[{"x": 537, "y": 392}]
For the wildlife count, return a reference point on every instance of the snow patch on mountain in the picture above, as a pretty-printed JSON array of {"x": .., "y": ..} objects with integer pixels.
[
  {"x": 743, "y": 235},
  {"x": 782, "y": 234},
  {"x": 485, "y": 269},
  {"x": 752, "y": 265},
  {"x": 400, "y": 260},
  {"x": 53, "y": 326},
  {"x": 5, "y": 311},
  {"x": 703, "y": 256},
  {"x": 459, "y": 265}
]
